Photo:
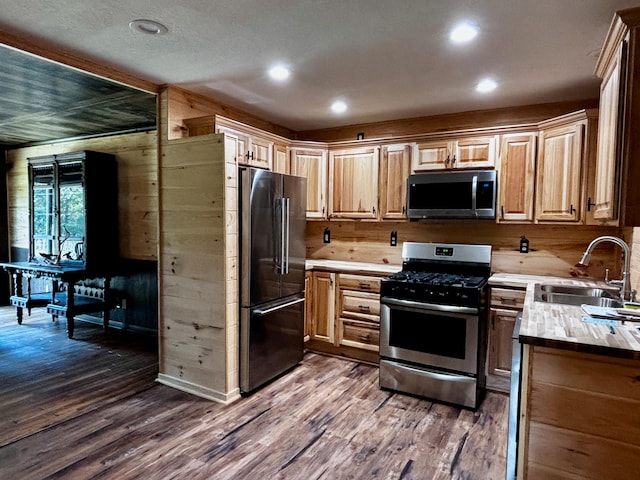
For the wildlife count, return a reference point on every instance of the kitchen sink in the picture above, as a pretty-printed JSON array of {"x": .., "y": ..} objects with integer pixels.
[
  {"x": 582, "y": 291},
  {"x": 573, "y": 295}
]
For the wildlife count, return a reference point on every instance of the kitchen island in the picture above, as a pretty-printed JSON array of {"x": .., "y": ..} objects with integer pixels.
[{"x": 580, "y": 392}]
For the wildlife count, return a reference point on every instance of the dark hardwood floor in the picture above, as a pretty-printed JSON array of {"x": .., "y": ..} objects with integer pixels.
[{"x": 327, "y": 419}]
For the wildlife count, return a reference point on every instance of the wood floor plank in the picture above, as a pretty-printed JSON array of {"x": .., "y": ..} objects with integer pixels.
[{"x": 326, "y": 419}]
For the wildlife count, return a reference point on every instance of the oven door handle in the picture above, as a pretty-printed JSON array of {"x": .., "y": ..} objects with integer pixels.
[
  {"x": 447, "y": 377},
  {"x": 429, "y": 306}
]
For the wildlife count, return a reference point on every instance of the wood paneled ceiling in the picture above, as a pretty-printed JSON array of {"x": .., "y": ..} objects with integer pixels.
[{"x": 43, "y": 101}]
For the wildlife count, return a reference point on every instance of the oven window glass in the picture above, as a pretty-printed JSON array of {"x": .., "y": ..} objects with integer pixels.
[{"x": 428, "y": 333}]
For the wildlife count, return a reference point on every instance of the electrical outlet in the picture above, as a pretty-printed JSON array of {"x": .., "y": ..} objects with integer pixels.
[
  {"x": 393, "y": 241},
  {"x": 326, "y": 236}
]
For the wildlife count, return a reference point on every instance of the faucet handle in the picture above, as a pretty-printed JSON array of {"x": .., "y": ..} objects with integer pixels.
[{"x": 606, "y": 275}]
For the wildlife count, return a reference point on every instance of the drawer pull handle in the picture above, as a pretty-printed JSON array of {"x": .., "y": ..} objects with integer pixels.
[
  {"x": 508, "y": 299},
  {"x": 364, "y": 308},
  {"x": 364, "y": 286}
]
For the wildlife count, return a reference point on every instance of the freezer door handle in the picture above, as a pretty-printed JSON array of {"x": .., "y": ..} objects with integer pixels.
[{"x": 278, "y": 307}]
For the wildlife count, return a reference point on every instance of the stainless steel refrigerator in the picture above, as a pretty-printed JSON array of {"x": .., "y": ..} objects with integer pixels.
[{"x": 272, "y": 258}]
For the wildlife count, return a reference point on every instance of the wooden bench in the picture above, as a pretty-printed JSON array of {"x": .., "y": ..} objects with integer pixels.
[{"x": 89, "y": 296}]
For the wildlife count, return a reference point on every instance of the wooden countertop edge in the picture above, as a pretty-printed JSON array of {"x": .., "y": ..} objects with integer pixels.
[{"x": 352, "y": 267}]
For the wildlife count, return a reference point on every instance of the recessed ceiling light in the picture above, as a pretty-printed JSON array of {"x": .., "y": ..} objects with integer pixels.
[
  {"x": 339, "y": 106},
  {"x": 463, "y": 32},
  {"x": 487, "y": 85},
  {"x": 279, "y": 72},
  {"x": 148, "y": 27}
]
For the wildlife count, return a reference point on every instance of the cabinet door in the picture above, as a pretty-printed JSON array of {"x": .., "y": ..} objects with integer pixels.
[
  {"x": 474, "y": 152},
  {"x": 517, "y": 178},
  {"x": 353, "y": 183},
  {"x": 241, "y": 144},
  {"x": 260, "y": 150},
  {"x": 280, "y": 159},
  {"x": 395, "y": 162},
  {"x": 323, "y": 294},
  {"x": 312, "y": 164},
  {"x": 308, "y": 304},
  {"x": 606, "y": 189},
  {"x": 559, "y": 174},
  {"x": 436, "y": 155},
  {"x": 500, "y": 341}
]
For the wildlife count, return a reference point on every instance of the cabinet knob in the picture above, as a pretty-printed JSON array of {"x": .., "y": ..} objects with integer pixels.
[
  {"x": 446, "y": 162},
  {"x": 404, "y": 210},
  {"x": 590, "y": 204},
  {"x": 454, "y": 160},
  {"x": 373, "y": 210},
  {"x": 571, "y": 209}
]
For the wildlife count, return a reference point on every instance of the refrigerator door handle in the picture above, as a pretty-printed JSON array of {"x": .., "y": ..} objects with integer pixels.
[
  {"x": 283, "y": 214},
  {"x": 278, "y": 307},
  {"x": 287, "y": 236}
]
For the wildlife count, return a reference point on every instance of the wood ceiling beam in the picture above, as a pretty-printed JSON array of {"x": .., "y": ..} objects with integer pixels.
[{"x": 70, "y": 59}]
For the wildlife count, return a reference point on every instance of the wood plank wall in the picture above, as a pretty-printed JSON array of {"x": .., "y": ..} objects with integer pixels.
[
  {"x": 555, "y": 249},
  {"x": 136, "y": 155},
  {"x": 192, "y": 265},
  {"x": 632, "y": 236}
]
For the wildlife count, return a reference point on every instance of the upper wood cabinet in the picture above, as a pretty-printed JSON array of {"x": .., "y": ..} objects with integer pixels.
[
  {"x": 560, "y": 172},
  {"x": 604, "y": 203},
  {"x": 253, "y": 151},
  {"x": 395, "y": 163},
  {"x": 517, "y": 162},
  {"x": 280, "y": 159},
  {"x": 311, "y": 163},
  {"x": 471, "y": 152},
  {"x": 353, "y": 183}
]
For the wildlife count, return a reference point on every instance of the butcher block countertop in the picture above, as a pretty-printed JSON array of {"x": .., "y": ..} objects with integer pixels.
[
  {"x": 353, "y": 267},
  {"x": 561, "y": 326}
]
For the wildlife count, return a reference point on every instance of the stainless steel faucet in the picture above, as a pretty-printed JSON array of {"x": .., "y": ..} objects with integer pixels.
[{"x": 625, "y": 283}]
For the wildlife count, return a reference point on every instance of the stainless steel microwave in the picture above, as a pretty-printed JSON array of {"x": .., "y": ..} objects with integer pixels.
[{"x": 459, "y": 194}]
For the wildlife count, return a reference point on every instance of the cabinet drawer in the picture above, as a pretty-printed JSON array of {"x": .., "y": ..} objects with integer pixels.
[
  {"x": 359, "y": 305},
  {"x": 360, "y": 334},
  {"x": 507, "y": 298},
  {"x": 359, "y": 282}
]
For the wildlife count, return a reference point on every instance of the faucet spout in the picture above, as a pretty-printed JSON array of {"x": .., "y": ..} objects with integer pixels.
[{"x": 625, "y": 290}]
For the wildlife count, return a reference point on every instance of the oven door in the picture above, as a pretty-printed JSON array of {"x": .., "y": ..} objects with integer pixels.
[{"x": 438, "y": 336}]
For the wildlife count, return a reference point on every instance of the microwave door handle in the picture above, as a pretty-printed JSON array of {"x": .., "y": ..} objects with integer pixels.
[{"x": 474, "y": 194}]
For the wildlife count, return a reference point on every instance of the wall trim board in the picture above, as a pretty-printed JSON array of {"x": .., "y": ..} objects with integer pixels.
[
  {"x": 199, "y": 390},
  {"x": 442, "y": 123}
]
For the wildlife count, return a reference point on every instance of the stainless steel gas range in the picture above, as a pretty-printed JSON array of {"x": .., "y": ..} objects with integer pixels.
[{"x": 433, "y": 323}]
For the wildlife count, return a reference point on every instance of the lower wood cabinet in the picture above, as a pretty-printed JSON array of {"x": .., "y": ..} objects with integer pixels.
[
  {"x": 358, "y": 312},
  {"x": 322, "y": 300},
  {"x": 505, "y": 304},
  {"x": 344, "y": 311},
  {"x": 579, "y": 416}
]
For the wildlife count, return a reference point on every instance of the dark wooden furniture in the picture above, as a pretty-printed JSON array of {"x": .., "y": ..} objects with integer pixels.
[
  {"x": 73, "y": 236},
  {"x": 83, "y": 291}
]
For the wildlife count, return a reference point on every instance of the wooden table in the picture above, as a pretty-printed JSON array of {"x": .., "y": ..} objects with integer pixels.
[{"x": 69, "y": 273}]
